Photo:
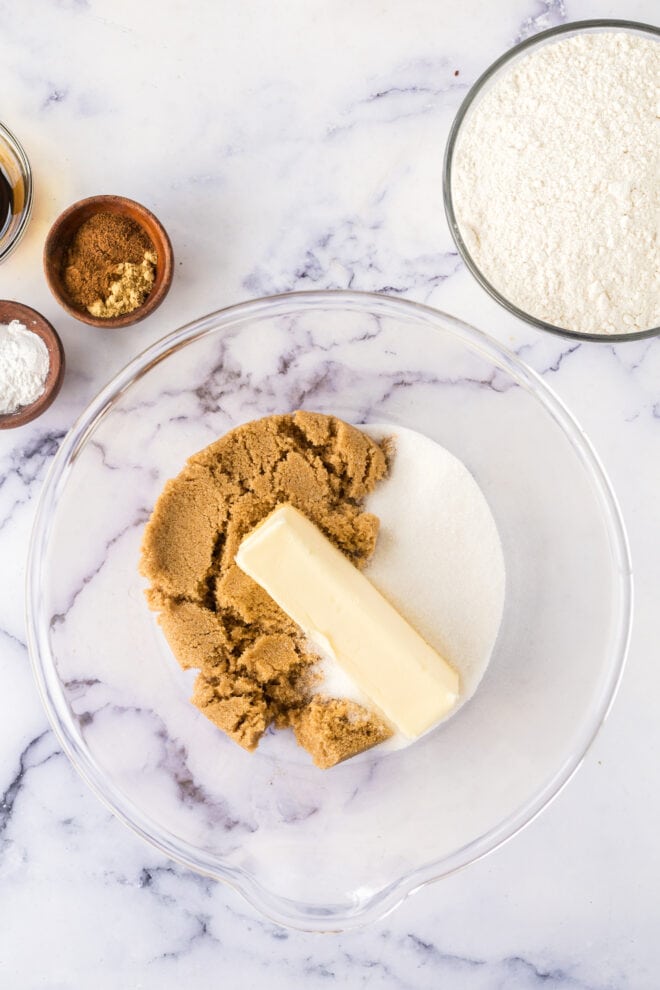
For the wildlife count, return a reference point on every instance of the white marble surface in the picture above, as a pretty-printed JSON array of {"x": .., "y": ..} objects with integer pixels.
[{"x": 287, "y": 146}]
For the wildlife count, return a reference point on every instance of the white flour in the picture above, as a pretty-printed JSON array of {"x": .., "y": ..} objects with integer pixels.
[
  {"x": 438, "y": 560},
  {"x": 555, "y": 183},
  {"x": 24, "y": 365}
]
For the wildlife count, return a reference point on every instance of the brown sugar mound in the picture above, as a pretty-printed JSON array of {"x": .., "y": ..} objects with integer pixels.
[
  {"x": 256, "y": 669},
  {"x": 332, "y": 729}
]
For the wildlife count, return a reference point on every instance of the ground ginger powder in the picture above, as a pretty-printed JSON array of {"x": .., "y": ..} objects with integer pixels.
[
  {"x": 256, "y": 669},
  {"x": 130, "y": 289}
]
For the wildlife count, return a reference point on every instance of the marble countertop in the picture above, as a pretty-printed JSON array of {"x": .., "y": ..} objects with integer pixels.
[{"x": 294, "y": 146}]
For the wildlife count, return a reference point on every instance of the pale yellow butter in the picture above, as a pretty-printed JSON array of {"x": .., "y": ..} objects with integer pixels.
[{"x": 334, "y": 604}]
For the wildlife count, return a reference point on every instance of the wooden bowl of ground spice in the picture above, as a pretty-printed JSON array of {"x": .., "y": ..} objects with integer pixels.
[{"x": 108, "y": 261}]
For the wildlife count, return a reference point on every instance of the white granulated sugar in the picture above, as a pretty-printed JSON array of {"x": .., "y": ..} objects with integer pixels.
[
  {"x": 24, "y": 366},
  {"x": 555, "y": 183},
  {"x": 438, "y": 560}
]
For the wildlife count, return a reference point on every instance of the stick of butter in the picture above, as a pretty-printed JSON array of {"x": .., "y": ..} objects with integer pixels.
[{"x": 334, "y": 604}]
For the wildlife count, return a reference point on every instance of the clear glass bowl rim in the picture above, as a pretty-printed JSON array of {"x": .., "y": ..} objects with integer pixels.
[
  {"x": 574, "y": 27},
  {"x": 23, "y": 163},
  {"x": 283, "y": 911}
]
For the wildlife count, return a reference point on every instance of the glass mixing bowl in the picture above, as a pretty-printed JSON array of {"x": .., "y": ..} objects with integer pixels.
[
  {"x": 489, "y": 77},
  {"x": 325, "y": 850}
]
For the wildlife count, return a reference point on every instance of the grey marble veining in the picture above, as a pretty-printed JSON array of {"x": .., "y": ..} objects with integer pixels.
[{"x": 300, "y": 146}]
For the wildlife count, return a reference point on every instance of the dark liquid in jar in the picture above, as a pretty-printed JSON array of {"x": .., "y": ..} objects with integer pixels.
[{"x": 6, "y": 202}]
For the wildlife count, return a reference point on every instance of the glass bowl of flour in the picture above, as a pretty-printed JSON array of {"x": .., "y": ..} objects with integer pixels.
[
  {"x": 550, "y": 180},
  {"x": 492, "y": 476}
]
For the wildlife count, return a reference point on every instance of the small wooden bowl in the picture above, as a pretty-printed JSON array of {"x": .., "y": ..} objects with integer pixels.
[
  {"x": 37, "y": 324},
  {"x": 59, "y": 238}
]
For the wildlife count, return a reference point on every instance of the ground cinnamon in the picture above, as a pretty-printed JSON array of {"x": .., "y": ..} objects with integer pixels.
[{"x": 109, "y": 266}]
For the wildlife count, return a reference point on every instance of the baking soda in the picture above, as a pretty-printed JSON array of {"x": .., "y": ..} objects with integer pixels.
[{"x": 24, "y": 366}]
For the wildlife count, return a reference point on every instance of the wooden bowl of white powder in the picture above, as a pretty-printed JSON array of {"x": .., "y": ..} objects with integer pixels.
[
  {"x": 31, "y": 364},
  {"x": 551, "y": 180}
]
